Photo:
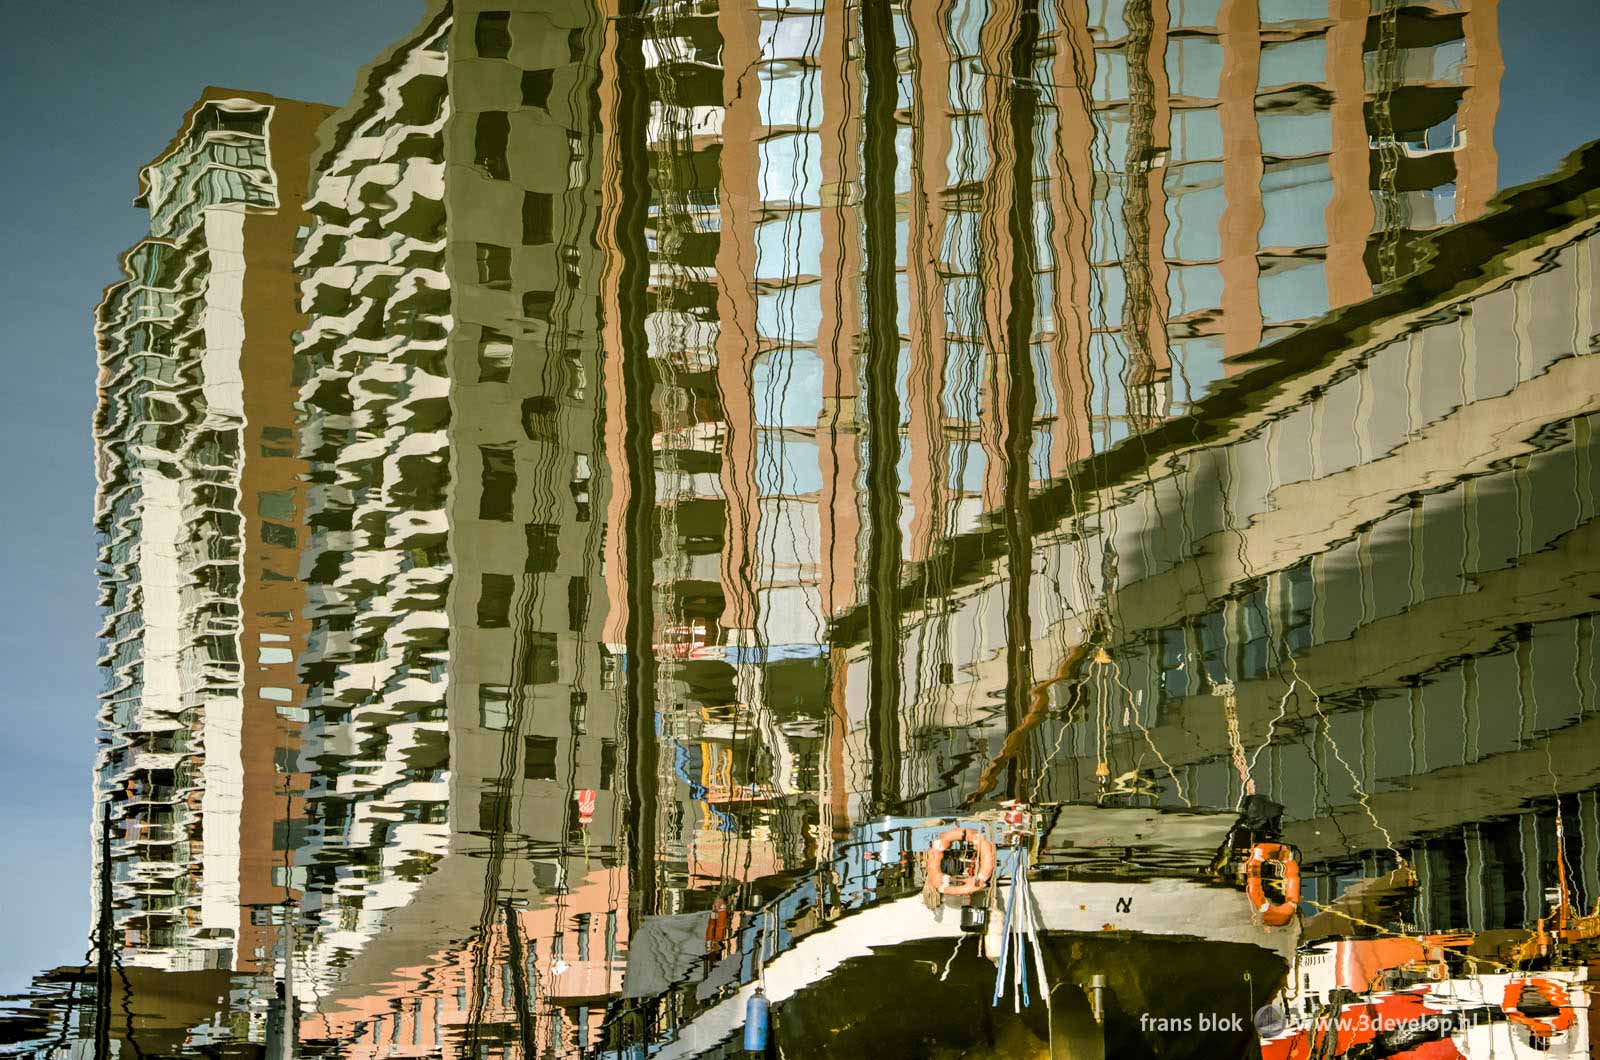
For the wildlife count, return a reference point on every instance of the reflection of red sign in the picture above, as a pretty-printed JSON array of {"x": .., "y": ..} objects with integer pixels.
[{"x": 585, "y": 799}]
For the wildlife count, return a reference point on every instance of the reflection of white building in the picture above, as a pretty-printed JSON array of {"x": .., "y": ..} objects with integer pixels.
[
  {"x": 196, "y": 511},
  {"x": 1384, "y": 559}
]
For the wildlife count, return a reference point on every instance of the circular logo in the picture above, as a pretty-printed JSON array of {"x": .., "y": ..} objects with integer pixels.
[{"x": 1269, "y": 1021}]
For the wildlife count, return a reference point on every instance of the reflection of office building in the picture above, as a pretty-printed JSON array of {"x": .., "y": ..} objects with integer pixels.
[
  {"x": 199, "y": 511},
  {"x": 460, "y": 697},
  {"x": 1371, "y": 581},
  {"x": 827, "y": 405}
]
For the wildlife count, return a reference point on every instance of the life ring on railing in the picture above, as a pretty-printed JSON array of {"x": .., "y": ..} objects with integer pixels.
[
  {"x": 1273, "y": 914},
  {"x": 960, "y": 861},
  {"x": 1553, "y": 997}
]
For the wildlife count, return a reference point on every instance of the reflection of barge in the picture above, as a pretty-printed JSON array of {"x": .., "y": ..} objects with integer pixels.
[
  {"x": 1139, "y": 912},
  {"x": 1418, "y": 999}
]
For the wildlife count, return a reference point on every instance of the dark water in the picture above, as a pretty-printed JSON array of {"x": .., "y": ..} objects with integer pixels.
[{"x": 623, "y": 461}]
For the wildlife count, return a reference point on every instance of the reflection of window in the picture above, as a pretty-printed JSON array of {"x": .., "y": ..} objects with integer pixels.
[
  {"x": 289, "y": 835},
  {"x": 494, "y": 812},
  {"x": 489, "y": 145},
  {"x": 539, "y": 417},
  {"x": 1194, "y": 66},
  {"x": 275, "y": 504},
  {"x": 494, "y": 706},
  {"x": 492, "y": 34},
  {"x": 539, "y": 758},
  {"x": 608, "y": 764},
  {"x": 582, "y": 929},
  {"x": 494, "y": 356},
  {"x": 543, "y": 547},
  {"x": 577, "y": 603},
  {"x": 277, "y": 534},
  {"x": 494, "y": 266},
  {"x": 540, "y": 665},
  {"x": 536, "y": 305},
  {"x": 499, "y": 483},
  {"x": 536, "y": 217},
  {"x": 536, "y": 88},
  {"x": 494, "y": 601}
]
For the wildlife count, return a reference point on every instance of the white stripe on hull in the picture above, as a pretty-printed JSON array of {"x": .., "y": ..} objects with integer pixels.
[{"x": 1171, "y": 908}]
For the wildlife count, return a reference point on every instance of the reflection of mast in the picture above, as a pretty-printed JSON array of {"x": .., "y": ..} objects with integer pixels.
[
  {"x": 882, "y": 348},
  {"x": 519, "y": 982},
  {"x": 638, "y": 529},
  {"x": 1140, "y": 296},
  {"x": 1020, "y": 396},
  {"x": 102, "y": 981}
]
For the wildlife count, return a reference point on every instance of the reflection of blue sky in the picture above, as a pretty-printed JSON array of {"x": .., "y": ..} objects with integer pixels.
[{"x": 116, "y": 97}]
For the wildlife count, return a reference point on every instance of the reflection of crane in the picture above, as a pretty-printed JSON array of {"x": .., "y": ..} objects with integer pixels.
[{"x": 1563, "y": 926}]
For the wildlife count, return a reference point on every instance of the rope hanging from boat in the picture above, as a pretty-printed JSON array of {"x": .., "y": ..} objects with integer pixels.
[
  {"x": 1021, "y": 928},
  {"x": 1230, "y": 713}
]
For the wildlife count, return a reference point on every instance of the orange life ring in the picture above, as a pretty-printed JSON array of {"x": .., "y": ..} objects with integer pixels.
[
  {"x": 976, "y": 867},
  {"x": 1273, "y": 914},
  {"x": 1553, "y": 996}
]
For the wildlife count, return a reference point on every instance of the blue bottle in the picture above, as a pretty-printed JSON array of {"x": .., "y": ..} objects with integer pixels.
[{"x": 755, "y": 1023}]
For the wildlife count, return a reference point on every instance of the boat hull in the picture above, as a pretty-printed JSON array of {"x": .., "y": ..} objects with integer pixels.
[{"x": 1182, "y": 968}]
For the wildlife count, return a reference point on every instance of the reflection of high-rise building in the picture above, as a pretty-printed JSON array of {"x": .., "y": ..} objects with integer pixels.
[
  {"x": 462, "y": 744},
  {"x": 199, "y": 511}
]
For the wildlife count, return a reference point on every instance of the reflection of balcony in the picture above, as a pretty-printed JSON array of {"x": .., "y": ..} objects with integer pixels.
[{"x": 582, "y": 981}]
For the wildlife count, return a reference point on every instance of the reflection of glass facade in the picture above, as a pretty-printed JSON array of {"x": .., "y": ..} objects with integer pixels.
[{"x": 198, "y": 515}]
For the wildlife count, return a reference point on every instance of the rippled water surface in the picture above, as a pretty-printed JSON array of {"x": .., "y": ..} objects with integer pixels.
[{"x": 580, "y": 518}]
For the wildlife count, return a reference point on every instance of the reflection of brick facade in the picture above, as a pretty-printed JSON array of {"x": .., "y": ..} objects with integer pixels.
[
  {"x": 571, "y": 962},
  {"x": 201, "y": 511}
]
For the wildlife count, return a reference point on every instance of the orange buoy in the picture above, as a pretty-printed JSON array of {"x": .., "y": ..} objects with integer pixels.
[
  {"x": 1553, "y": 997},
  {"x": 975, "y": 854},
  {"x": 1273, "y": 914}
]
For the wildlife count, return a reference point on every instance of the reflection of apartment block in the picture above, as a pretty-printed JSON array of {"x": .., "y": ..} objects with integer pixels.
[
  {"x": 462, "y": 702},
  {"x": 200, "y": 512},
  {"x": 532, "y": 700},
  {"x": 558, "y": 968}
]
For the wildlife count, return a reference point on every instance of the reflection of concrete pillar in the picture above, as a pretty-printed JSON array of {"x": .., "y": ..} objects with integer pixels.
[
  {"x": 1422, "y": 862},
  {"x": 930, "y": 145},
  {"x": 1588, "y": 829},
  {"x": 1527, "y": 703},
  {"x": 839, "y": 332},
  {"x": 1477, "y": 163},
  {"x": 997, "y": 263},
  {"x": 1241, "y": 175},
  {"x": 1071, "y": 195},
  {"x": 614, "y": 393},
  {"x": 1532, "y": 881},
  {"x": 1419, "y": 730},
  {"x": 1476, "y": 893},
  {"x": 1350, "y": 213},
  {"x": 737, "y": 343},
  {"x": 1471, "y": 717}
]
